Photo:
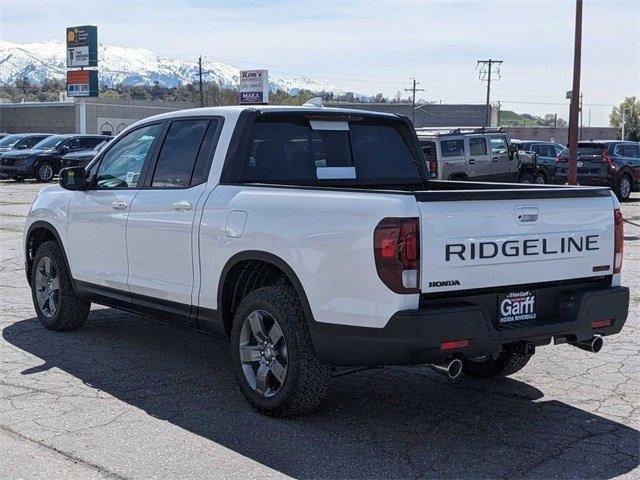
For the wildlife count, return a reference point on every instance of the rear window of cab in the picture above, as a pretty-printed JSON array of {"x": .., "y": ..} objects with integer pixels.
[{"x": 289, "y": 149}]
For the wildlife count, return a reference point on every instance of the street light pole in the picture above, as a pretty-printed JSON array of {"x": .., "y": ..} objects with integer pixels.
[{"x": 575, "y": 98}]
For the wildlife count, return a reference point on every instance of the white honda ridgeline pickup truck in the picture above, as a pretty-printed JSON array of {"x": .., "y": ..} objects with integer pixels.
[{"x": 313, "y": 239}]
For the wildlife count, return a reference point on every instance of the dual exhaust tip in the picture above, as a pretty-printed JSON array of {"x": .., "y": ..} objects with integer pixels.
[{"x": 453, "y": 368}]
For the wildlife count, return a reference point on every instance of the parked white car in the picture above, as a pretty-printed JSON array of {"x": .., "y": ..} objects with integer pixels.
[{"x": 313, "y": 239}]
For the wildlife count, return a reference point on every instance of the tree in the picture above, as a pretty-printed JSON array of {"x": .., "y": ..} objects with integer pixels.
[{"x": 631, "y": 108}]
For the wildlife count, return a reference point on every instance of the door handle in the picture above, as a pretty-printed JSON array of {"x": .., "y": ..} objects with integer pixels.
[
  {"x": 182, "y": 206},
  {"x": 472, "y": 161},
  {"x": 119, "y": 206},
  {"x": 495, "y": 159}
]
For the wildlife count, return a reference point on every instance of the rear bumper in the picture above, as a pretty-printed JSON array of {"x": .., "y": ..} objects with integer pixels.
[{"x": 414, "y": 337}]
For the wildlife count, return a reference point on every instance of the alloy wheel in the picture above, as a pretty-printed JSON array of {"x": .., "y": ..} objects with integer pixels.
[
  {"x": 263, "y": 353},
  {"x": 625, "y": 187},
  {"x": 45, "y": 172},
  {"x": 47, "y": 287}
]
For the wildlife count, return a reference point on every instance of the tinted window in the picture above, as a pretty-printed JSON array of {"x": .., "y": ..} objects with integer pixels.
[
  {"x": 73, "y": 143},
  {"x": 50, "y": 142},
  {"x": 627, "y": 150},
  {"x": 499, "y": 145},
  {"x": 546, "y": 151},
  {"x": 122, "y": 163},
  {"x": 477, "y": 146},
  {"x": 178, "y": 154},
  {"x": 289, "y": 150},
  {"x": 452, "y": 148},
  {"x": 89, "y": 143},
  {"x": 30, "y": 142},
  {"x": 10, "y": 140}
]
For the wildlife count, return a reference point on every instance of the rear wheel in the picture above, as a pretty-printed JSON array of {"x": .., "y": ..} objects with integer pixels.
[
  {"x": 506, "y": 363},
  {"x": 273, "y": 357},
  {"x": 623, "y": 190},
  {"x": 56, "y": 304}
]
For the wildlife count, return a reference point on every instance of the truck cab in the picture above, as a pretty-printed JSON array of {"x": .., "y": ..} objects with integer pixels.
[{"x": 481, "y": 154}]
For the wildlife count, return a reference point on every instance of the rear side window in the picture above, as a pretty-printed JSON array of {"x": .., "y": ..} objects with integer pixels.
[
  {"x": 452, "y": 148},
  {"x": 31, "y": 141},
  {"x": 90, "y": 142},
  {"x": 627, "y": 150},
  {"x": 289, "y": 150},
  {"x": 477, "y": 146},
  {"x": 178, "y": 154}
]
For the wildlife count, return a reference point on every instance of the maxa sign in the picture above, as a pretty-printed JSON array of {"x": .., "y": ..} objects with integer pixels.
[
  {"x": 254, "y": 87},
  {"x": 82, "y": 83}
]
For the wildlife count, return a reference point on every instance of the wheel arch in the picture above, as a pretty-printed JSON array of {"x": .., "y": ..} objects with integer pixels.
[
  {"x": 39, "y": 232},
  {"x": 248, "y": 259}
]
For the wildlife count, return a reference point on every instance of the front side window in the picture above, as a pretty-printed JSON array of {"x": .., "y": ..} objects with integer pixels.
[
  {"x": 477, "y": 146},
  {"x": 179, "y": 152},
  {"x": 289, "y": 150},
  {"x": 10, "y": 140},
  {"x": 499, "y": 146},
  {"x": 73, "y": 143},
  {"x": 31, "y": 142},
  {"x": 627, "y": 150},
  {"x": 49, "y": 143},
  {"x": 122, "y": 163},
  {"x": 452, "y": 148}
]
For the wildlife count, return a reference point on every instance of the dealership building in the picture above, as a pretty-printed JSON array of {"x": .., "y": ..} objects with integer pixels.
[{"x": 111, "y": 116}]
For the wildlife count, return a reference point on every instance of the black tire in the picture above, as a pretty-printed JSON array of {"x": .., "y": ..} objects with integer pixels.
[
  {"x": 45, "y": 172},
  {"x": 539, "y": 179},
  {"x": 306, "y": 378},
  {"x": 507, "y": 363},
  {"x": 623, "y": 191},
  {"x": 72, "y": 311},
  {"x": 526, "y": 178}
]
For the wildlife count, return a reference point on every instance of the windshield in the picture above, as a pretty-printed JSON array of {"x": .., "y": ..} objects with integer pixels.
[
  {"x": 10, "y": 141},
  {"x": 50, "y": 142}
]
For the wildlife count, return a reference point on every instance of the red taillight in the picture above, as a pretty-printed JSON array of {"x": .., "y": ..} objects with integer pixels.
[
  {"x": 396, "y": 247},
  {"x": 454, "y": 344},
  {"x": 605, "y": 322},
  {"x": 618, "y": 222},
  {"x": 433, "y": 168}
]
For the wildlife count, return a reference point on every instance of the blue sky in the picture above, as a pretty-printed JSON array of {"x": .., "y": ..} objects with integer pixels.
[{"x": 376, "y": 46}]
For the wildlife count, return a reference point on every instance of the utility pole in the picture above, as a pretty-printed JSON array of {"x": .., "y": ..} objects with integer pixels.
[
  {"x": 575, "y": 92},
  {"x": 489, "y": 63},
  {"x": 413, "y": 89},
  {"x": 624, "y": 120},
  {"x": 200, "y": 81},
  {"x": 555, "y": 121}
]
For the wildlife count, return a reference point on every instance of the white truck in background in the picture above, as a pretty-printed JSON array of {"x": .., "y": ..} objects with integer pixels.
[{"x": 314, "y": 240}]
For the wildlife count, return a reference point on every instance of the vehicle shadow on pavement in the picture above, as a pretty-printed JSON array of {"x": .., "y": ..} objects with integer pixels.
[{"x": 386, "y": 423}]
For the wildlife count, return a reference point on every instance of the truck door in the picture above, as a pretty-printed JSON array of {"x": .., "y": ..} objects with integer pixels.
[
  {"x": 96, "y": 247},
  {"x": 479, "y": 157},
  {"x": 504, "y": 167},
  {"x": 161, "y": 221},
  {"x": 453, "y": 158}
]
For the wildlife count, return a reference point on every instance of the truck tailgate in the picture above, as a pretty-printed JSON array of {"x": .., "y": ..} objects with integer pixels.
[{"x": 490, "y": 243}]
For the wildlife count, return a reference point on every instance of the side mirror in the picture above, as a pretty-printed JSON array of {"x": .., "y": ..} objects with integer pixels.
[{"x": 73, "y": 178}]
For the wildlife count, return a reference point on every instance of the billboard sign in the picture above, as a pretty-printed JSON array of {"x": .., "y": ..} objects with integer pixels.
[
  {"x": 254, "y": 87},
  {"x": 82, "y": 46},
  {"x": 82, "y": 83}
]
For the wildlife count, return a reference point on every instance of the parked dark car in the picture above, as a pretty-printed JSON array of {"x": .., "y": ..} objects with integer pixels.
[
  {"x": 44, "y": 160},
  {"x": 545, "y": 154},
  {"x": 614, "y": 164},
  {"x": 82, "y": 157}
]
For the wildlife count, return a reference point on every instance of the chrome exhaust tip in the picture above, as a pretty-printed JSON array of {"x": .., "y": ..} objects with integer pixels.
[
  {"x": 593, "y": 345},
  {"x": 450, "y": 368}
]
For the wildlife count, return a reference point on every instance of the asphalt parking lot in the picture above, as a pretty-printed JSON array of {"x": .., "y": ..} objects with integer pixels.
[{"x": 130, "y": 397}]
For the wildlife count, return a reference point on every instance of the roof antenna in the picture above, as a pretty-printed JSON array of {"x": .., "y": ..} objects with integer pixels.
[{"x": 314, "y": 102}]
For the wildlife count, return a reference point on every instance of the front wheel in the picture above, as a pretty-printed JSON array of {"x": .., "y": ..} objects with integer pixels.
[
  {"x": 273, "y": 358},
  {"x": 526, "y": 178},
  {"x": 44, "y": 172},
  {"x": 56, "y": 303},
  {"x": 505, "y": 364},
  {"x": 539, "y": 179},
  {"x": 623, "y": 189}
]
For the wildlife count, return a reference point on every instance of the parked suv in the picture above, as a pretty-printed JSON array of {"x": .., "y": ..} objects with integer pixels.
[
  {"x": 545, "y": 154},
  {"x": 479, "y": 154},
  {"x": 82, "y": 157},
  {"x": 43, "y": 161},
  {"x": 614, "y": 164}
]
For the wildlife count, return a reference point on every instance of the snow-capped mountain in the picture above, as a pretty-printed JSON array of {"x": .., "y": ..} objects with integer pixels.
[{"x": 131, "y": 66}]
